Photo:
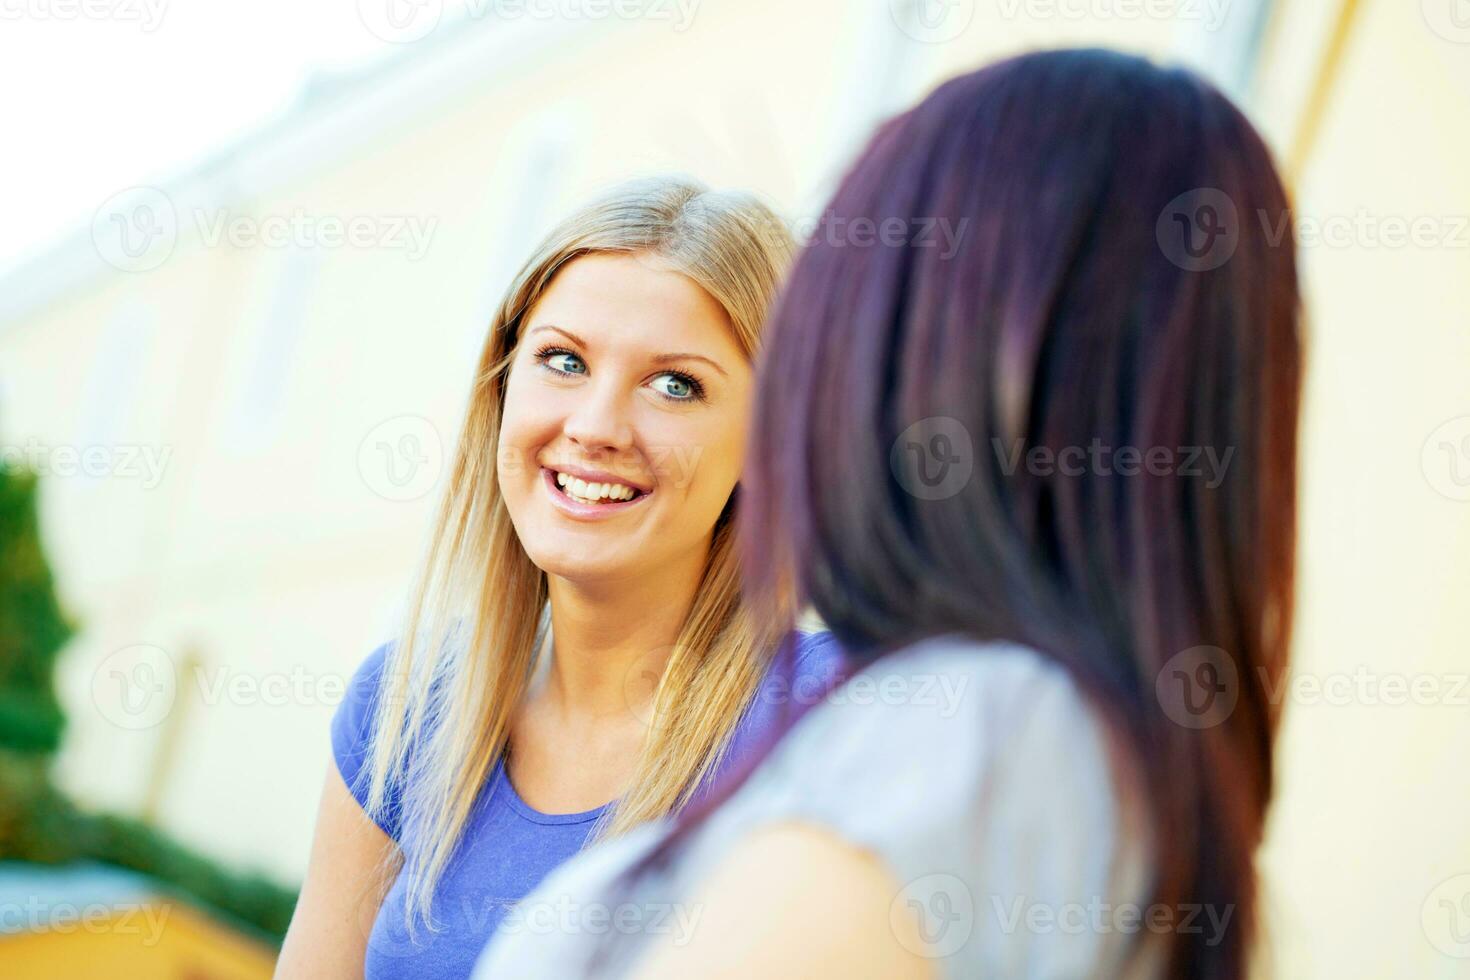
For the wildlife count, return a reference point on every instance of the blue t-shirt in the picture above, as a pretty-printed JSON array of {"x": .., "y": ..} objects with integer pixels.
[{"x": 508, "y": 846}]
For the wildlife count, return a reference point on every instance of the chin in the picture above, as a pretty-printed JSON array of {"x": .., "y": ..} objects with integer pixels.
[{"x": 573, "y": 563}]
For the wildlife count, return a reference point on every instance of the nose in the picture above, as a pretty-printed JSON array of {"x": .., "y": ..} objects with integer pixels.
[{"x": 601, "y": 418}]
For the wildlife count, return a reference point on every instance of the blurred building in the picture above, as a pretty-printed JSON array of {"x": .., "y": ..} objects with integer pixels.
[{"x": 242, "y": 381}]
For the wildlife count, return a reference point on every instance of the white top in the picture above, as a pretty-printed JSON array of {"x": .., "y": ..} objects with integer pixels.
[{"x": 975, "y": 772}]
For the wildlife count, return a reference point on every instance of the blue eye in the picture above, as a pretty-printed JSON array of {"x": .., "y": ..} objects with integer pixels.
[
  {"x": 678, "y": 387},
  {"x": 561, "y": 361}
]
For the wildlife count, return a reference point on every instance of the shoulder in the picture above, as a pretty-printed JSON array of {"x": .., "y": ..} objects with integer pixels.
[
  {"x": 819, "y": 657},
  {"x": 982, "y": 778},
  {"x": 805, "y": 666},
  {"x": 360, "y": 695},
  {"x": 954, "y": 752},
  {"x": 946, "y": 716},
  {"x": 352, "y": 734}
]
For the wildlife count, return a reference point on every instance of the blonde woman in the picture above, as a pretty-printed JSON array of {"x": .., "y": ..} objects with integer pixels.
[{"x": 577, "y": 659}]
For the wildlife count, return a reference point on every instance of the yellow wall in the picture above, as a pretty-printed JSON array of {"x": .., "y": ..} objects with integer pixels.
[
  {"x": 270, "y": 549},
  {"x": 1373, "y": 803}
]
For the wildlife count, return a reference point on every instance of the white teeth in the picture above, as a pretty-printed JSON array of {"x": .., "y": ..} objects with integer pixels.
[{"x": 594, "y": 492}]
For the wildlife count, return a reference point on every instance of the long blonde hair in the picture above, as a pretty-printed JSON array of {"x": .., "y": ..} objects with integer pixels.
[{"x": 473, "y": 632}]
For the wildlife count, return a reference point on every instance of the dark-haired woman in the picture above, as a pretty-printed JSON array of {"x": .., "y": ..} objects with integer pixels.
[{"x": 990, "y": 473}]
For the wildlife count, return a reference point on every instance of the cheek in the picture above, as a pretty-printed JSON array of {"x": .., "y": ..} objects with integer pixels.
[
  {"x": 528, "y": 417},
  {"x": 710, "y": 464},
  {"x": 526, "y": 424}
]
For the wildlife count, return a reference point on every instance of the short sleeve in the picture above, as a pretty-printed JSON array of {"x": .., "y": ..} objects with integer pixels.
[
  {"x": 981, "y": 778},
  {"x": 352, "y": 736},
  {"x": 790, "y": 685}
]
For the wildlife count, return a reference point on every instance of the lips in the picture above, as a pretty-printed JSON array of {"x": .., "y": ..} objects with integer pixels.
[
  {"x": 600, "y": 477},
  {"x": 569, "y": 502}
]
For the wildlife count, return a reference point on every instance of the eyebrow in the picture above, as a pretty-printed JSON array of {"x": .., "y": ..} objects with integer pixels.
[{"x": 659, "y": 359}]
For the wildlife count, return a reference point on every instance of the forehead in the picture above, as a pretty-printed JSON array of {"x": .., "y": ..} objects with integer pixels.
[{"x": 636, "y": 304}]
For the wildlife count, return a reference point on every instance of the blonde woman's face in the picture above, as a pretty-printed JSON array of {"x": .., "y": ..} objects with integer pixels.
[{"x": 625, "y": 420}]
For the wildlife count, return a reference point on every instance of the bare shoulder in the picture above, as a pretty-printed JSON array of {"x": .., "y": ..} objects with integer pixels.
[
  {"x": 346, "y": 879},
  {"x": 767, "y": 886}
]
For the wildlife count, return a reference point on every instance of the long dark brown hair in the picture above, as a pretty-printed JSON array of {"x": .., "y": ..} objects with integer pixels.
[{"x": 1110, "y": 286}]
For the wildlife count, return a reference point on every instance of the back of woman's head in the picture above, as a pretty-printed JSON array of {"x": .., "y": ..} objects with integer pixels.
[{"x": 1061, "y": 412}]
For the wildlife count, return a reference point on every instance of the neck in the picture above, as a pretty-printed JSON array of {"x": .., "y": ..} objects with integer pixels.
[{"x": 611, "y": 638}]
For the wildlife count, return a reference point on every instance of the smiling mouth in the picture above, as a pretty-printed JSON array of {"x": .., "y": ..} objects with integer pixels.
[{"x": 593, "y": 494}]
